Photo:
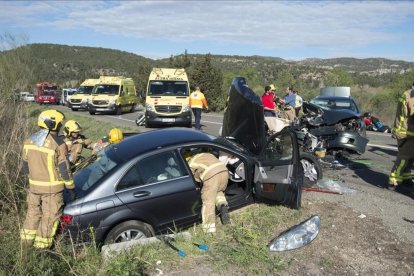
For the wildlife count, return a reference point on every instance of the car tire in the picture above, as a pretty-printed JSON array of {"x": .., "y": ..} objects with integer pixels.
[
  {"x": 132, "y": 108},
  {"x": 74, "y": 109},
  {"x": 312, "y": 170},
  {"x": 147, "y": 125},
  {"x": 92, "y": 112},
  {"x": 129, "y": 230},
  {"x": 118, "y": 110}
]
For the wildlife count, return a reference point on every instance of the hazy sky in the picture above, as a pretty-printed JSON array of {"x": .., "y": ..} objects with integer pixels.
[{"x": 157, "y": 29}]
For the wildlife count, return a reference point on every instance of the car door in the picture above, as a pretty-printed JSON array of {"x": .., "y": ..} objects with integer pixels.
[
  {"x": 159, "y": 189},
  {"x": 278, "y": 177}
]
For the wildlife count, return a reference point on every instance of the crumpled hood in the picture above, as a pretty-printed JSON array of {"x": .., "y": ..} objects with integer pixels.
[
  {"x": 330, "y": 117},
  {"x": 243, "y": 117}
]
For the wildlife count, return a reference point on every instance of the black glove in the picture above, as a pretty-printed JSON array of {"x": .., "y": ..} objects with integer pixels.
[{"x": 72, "y": 194}]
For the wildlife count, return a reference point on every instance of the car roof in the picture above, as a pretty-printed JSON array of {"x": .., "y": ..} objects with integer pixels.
[
  {"x": 332, "y": 97},
  {"x": 148, "y": 141}
]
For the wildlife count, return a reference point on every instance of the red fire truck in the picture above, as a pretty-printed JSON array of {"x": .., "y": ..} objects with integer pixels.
[{"x": 47, "y": 93}]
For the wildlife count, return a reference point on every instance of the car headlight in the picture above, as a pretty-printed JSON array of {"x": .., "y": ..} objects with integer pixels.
[
  {"x": 111, "y": 102},
  {"x": 297, "y": 236},
  {"x": 186, "y": 108},
  {"x": 85, "y": 100},
  {"x": 149, "y": 107}
]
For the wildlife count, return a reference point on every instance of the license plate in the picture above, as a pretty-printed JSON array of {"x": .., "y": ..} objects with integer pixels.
[
  {"x": 168, "y": 120},
  {"x": 45, "y": 101},
  {"x": 100, "y": 109}
]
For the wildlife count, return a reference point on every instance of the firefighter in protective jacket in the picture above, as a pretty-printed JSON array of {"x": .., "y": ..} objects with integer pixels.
[
  {"x": 45, "y": 161},
  {"x": 213, "y": 175},
  {"x": 404, "y": 132},
  {"x": 114, "y": 137},
  {"x": 75, "y": 141}
]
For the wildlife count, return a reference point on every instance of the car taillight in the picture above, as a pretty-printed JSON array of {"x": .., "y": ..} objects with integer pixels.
[{"x": 65, "y": 220}]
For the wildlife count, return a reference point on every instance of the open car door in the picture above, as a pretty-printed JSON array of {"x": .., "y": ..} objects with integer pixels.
[{"x": 278, "y": 175}]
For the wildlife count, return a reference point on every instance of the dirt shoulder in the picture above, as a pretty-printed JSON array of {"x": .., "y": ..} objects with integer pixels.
[{"x": 368, "y": 232}]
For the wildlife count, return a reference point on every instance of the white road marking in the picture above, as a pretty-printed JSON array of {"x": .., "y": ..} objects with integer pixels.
[
  {"x": 382, "y": 147},
  {"x": 120, "y": 118},
  {"x": 215, "y": 123}
]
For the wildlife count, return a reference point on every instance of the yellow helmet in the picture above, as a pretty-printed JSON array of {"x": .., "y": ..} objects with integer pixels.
[
  {"x": 50, "y": 119},
  {"x": 272, "y": 87},
  {"x": 115, "y": 136},
  {"x": 72, "y": 126}
]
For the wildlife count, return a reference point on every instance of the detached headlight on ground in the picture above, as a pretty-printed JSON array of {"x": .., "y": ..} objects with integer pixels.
[{"x": 297, "y": 236}]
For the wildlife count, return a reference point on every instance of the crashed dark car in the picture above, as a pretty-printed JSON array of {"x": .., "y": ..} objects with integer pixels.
[
  {"x": 339, "y": 129},
  {"x": 143, "y": 186}
]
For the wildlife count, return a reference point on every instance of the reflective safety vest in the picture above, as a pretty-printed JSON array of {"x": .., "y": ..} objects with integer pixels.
[
  {"x": 197, "y": 100},
  {"x": 48, "y": 166},
  {"x": 205, "y": 165},
  {"x": 404, "y": 119}
]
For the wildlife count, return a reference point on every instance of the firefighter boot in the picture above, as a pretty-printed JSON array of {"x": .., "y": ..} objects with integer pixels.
[
  {"x": 224, "y": 214},
  {"x": 392, "y": 184}
]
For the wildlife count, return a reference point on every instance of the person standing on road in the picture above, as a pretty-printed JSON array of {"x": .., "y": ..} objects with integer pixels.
[
  {"x": 45, "y": 162},
  {"x": 403, "y": 131},
  {"x": 197, "y": 102},
  {"x": 289, "y": 102},
  {"x": 268, "y": 101},
  {"x": 298, "y": 102},
  {"x": 213, "y": 176}
]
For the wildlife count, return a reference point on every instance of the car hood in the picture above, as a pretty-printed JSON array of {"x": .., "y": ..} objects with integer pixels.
[
  {"x": 243, "y": 118},
  {"x": 330, "y": 117}
]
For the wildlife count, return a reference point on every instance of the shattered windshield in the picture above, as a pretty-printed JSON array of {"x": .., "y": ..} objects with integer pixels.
[
  {"x": 84, "y": 90},
  {"x": 168, "y": 88},
  {"x": 94, "y": 169},
  {"x": 108, "y": 89}
]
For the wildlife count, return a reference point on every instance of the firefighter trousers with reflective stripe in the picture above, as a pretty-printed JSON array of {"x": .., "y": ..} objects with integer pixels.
[
  {"x": 42, "y": 218},
  {"x": 212, "y": 195},
  {"x": 401, "y": 170}
]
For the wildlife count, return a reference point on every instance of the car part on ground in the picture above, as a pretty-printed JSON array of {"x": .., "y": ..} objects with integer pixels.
[
  {"x": 312, "y": 169},
  {"x": 297, "y": 236}
]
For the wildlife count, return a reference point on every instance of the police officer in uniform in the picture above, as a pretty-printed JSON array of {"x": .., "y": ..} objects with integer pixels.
[
  {"x": 213, "y": 175},
  {"x": 44, "y": 159},
  {"x": 403, "y": 131},
  {"x": 75, "y": 141}
]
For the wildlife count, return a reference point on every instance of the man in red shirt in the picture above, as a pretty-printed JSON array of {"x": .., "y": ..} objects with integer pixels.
[{"x": 268, "y": 100}]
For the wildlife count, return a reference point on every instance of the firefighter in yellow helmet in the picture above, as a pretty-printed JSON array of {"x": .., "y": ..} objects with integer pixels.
[
  {"x": 75, "y": 141},
  {"x": 403, "y": 131},
  {"x": 115, "y": 136},
  {"x": 44, "y": 159},
  {"x": 212, "y": 174}
]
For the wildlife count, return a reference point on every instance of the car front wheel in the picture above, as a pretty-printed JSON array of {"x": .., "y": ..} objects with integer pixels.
[
  {"x": 312, "y": 170},
  {"x": 128, "y": 231}
]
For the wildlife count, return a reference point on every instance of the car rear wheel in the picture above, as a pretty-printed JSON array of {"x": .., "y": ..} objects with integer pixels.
[
  {"x": 92, "y": 112},
  {"x": 74, "y": 109},
  {"x": 118, "y": 110},
  {"x": 312, "y": 170},
  {"x": 128, "y": 231}
]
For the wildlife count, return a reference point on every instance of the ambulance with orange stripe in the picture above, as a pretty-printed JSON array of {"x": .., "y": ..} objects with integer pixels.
[{"x": 167, "y": 98}]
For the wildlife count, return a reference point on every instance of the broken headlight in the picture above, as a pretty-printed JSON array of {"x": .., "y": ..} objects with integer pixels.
[{"x": 297, "y": 236}]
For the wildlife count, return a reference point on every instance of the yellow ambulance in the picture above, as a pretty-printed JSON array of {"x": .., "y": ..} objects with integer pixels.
[
  {"x": 113, "y": 95},
  {"x": 80, "y": 98},
  {"x": 167, "y": 98}
]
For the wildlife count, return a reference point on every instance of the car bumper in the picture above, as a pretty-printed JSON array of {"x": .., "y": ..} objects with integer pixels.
[
  {"x": 156, "y": 119},
  {"x": 77, "y": 105},
  {"x": 348, "y": 140},
  {"x": 109, "y": 108}
]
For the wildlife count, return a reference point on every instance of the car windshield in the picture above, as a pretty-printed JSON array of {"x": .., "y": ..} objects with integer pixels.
[
  {"x": 345, "y": 103},
  {"x": 168, "y": 88},
  {"x": 84, "y": 90},
  {"x": 94, "y": 169},
  {"x": 106, "y": 89}
]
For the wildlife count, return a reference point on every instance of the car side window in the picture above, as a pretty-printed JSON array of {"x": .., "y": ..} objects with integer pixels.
[{"x": 155, "y": 168}]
